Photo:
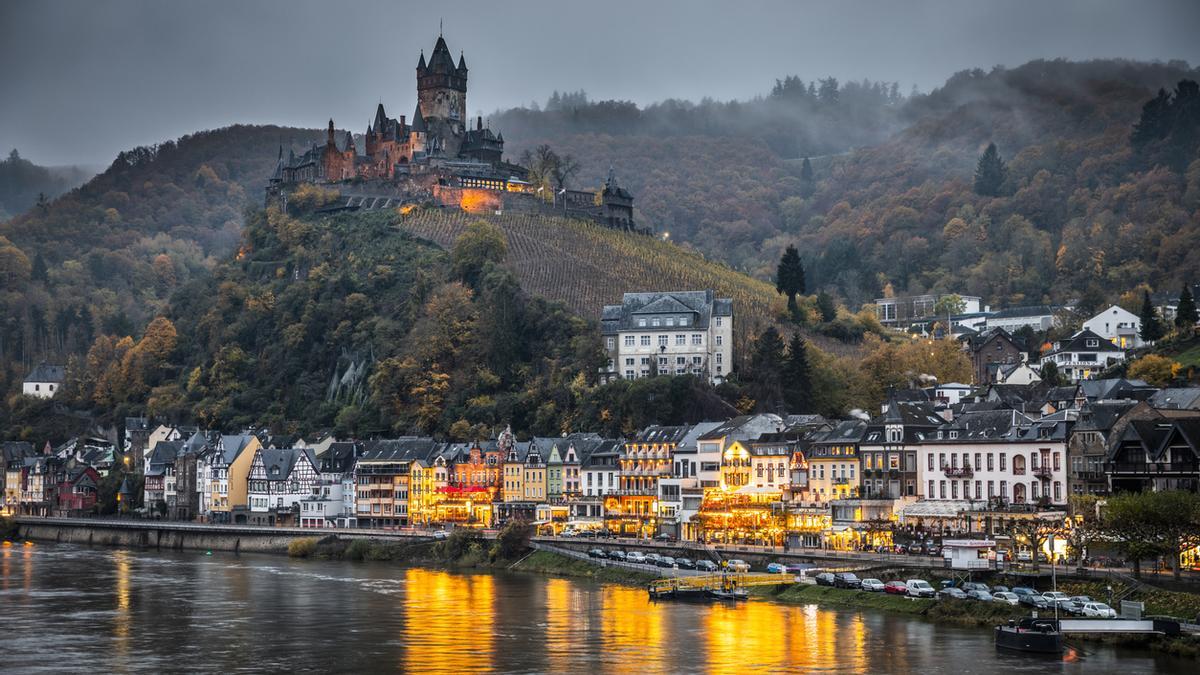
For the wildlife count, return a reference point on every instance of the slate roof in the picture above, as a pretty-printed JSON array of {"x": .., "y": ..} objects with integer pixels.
[
  {"x": 699, "y": 306},
  {"x": 162, "y": 456},
  {"x": 688, "y": 443},
  {"x": 408, "y": 448},
  {"x": 658, "y": 434},
  {"x": 13, "y": 452},
  {"x": 232, "y": 446},
  {"x": 44, "y": 372},
  {"x": 1032, "y": 310},
  {"x": 278, "y": 463},
  {"x": 1102, "y": 415},
  {"x": 1115, "y": 388},
  {"x": 1078, "y": 343},
  {"x": 1177, "y": 398}
]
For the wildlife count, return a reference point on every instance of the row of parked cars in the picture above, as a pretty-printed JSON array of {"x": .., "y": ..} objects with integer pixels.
[
  {"x": 1079, "y": 605},
  {"x": 654, "y": 559}
]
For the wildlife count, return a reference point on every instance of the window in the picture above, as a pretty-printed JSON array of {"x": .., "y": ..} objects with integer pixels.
[
  {"x": 1057, "y": 491},
  {"x": 662, "y": 361},
  {"x": 719, "y": 340},
  {"x": 931, "y": 461},
  {"x": 954, "y": 489},
  {"x": 611, "y": 342},
  {"x": 697, "y": 339},
  {"x": 696, "y": 360},
  {"x": 680, "y": 340},
  {"x": 991, "y": 489},
  {"x": 1004, "y": 489},
  {"x": 976, "y": 464},
  {"x": 645, "y": 342},
  {"x": 629, "y": 361},
  {"x": 718, "y": 358},
  {"x": 662, "y": 340},
  {"x": 657, "y": 322},
  {"x": 645, "y": 360},
  {"x": 641, "y": 323},
  {"x": 942, "y": 488},
  {"x": 931, "y": 489},
  {"x": 628, "y": 340},
  {"x": 670, "y": 321},
  {"x": 978, "y": 489},
  {"x": 991, "y": 464},
  {"x": 680, "y": 360},
  {"x": 629, "y": 374},
  {"x": 1057, "y": 462},
  {"x": 1002, "y": 463},
  {"x": 718, "y": 322},
  {"x": 683, "y": 321}
]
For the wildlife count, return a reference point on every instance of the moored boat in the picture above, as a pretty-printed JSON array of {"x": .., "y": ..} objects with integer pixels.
[{"x": 1040, "y": 636}]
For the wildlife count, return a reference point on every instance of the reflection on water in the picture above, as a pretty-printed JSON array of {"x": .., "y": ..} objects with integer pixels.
[{"x": 148, "y": 611}]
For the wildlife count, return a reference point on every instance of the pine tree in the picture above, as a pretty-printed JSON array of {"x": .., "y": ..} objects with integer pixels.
[
  {"x": 1186, "y": 315},
  {"x": 797, "y": 377},
  {"x": 766, "y": 365},
  {"x": 1153, "y": 124},
  {"x": 1152, "y": 328},
  {"x": 789, "y": 277},
  {"x": 808, "y": 182},
  {"x": 826, "y": 305},
  {"x": 990, "y": 172},
  {"x": 40, "y": 272}
]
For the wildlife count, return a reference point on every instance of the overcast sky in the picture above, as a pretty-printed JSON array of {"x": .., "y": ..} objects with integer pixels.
[{"x": 82, "y": 80}]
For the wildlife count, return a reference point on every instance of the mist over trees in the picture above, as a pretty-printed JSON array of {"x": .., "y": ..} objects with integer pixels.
[{"x": 24, "y": 184}]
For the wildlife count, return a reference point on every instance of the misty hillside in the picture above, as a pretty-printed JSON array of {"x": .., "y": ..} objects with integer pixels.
[
  {"x": 1081, "y": 214},
  {"x": 23, "y": 183}
]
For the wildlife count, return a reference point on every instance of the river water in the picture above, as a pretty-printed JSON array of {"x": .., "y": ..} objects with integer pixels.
[{"x": 73, "y": 609}]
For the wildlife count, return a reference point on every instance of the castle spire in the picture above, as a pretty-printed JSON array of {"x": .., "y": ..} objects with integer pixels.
[
  {"x": 421, "y": 64},
  {"x": 330, "y": 134}
]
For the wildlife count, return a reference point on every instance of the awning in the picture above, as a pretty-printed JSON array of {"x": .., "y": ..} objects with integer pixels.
[{"x": 939, "y": 508}]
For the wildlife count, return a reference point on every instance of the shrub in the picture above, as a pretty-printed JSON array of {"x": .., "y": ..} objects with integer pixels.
[
  {"x": 302, "y": 548},
  {"x": 513, "y": 539},
  {"x": 458, "y": 545},
  {"x": 358, "y": 550}
]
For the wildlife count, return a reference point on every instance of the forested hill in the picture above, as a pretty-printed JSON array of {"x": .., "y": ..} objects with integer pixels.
[
  {"x": 881, "y": 214},
  {"x": 24, "y": 184}
]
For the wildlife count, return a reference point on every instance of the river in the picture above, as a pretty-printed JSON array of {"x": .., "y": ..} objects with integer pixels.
[{"x": 73, "y": 609}]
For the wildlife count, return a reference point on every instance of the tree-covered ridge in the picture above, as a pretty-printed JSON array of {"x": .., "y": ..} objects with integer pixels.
[
  {"x": 106, "y": 256},
  {"x": 24, "y": 184}
]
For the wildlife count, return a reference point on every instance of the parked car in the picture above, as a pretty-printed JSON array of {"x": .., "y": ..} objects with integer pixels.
[
  {"x": 587, "y": 534},
  {"x": 665, "y": 561},
  {"x": 635, "y": 557},
  {"x": 685, "y": 564},
  {"x": 441, "y": 534},
  {"x": 1006, "y": 596},
  {"x": 847, "y": 580},
  {"x": 663, "y": 536},
  {"x": 706, "y": 566},
  {"x": 951, "y": 593},
  {"x": 1024, "y": 556},
  {"x": 1000, "y": 589},
  {"x": 895, "y": 588},
  {"x": 569, "y": 533},
  {"x": 800, "y": 568},
  {"x": 872, "y": 585},
  {"x": 969, "y": 586},
  {"x": 1031, "y": 598},
  {"x": 919, "y": 588},
  {"x": 825, "y": 579},
  {"x": 1057, "y": 598},
  {"x": 597, "y": 553},
  {"x": 982, "y": 596},
  {"x": 737, "y": 565},
  {"x": 934, "y": 551},
  {"x": 616, "y": 555},
  {"x": 1078, "y": 601},
  {"x": 915, "y": 549},
  {"x": 604, "y": 533},
  {"x": 776, "y": 568},
  {"x": 1098, "y": 610},
  {"x": 652, "y": 558}
]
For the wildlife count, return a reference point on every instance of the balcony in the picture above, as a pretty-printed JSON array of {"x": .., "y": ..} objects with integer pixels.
[
  {"x": 841, "y": 481},
  {"x": 958, "y": 471},
  {"x": 1042, "y": 472},
  {"x": 1151, "y": 468}
]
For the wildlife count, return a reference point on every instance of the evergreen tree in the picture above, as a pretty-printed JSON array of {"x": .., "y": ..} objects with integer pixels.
[
  {"x": 789, "y": 277},
  {"x": 826, "y": 305},
  {"x": 40, "y": 272},
  {"x": 1186, "y": 315},
  {"x": 1152, "y": 328},
  {"x": 797, "y": 377},
  {"x": 1153, "y": 124},
  {"x": 990, "y": 172},
  {"x": 766, "y": 365},
  {"x": 808, "y": 182},
  {"x": 1051, "y": 376}
]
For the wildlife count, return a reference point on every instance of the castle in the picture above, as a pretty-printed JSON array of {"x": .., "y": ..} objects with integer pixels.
[{"x": 437, "y": 155}]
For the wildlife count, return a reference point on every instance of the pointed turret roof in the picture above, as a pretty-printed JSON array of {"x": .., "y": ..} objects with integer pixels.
[
  {"x": 380, "y": 118},
  {"x": 462, "y": 61},
  {"x": 418, "y": 123},
  {"x": 349, "y": 143},
  {"x": 421, "y": 64},
  {"x": 441, "y": 61}
]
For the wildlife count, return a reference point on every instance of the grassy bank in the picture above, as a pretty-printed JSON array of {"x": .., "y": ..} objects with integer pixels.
[{"x": 545, "y": 562}]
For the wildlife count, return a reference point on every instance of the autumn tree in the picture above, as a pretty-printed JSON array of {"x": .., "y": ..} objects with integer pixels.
[
  {"x": 826, "y": 306},
  {"x": 481, "y": 244},
  {"x": 1034, "y": 532},
  {"x": 990, "y": 173},
  {"x": 789, "y": 277},
  {"x": 1152, "y": 328},
  {"x": 1152, "y": 523},
  {"x": 1155, "y": 370}
]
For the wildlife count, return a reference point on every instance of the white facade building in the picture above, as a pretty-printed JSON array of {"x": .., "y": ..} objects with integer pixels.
[
  {"x": 1117, "y": 325},
  {"x": 43, "y": 381},
  {"x": 999, "y": 457},
  {"x": 1084, "y": 356},
  {"x": 678, "y": 332}
]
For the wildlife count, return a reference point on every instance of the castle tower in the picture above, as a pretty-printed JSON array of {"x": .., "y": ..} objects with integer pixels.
[{"x": 442, "y": 96}]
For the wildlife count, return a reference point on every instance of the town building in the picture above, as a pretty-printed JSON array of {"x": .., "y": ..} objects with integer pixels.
[
  {"x": 1088, "y": 445},
  {"x": 675, "y": 332},
  {"x": 680, "y": 494},
  {"x": 889, "y": 447},
  {"x": 228, "y": 465},
  {"x": 1117, "y": 325},
  {"x": 1156, "y": 454},
  {"x": 901, "y": 312},
  {"x": 1039, "y": 318},
  {"x": 646, "y": 459},
  {"x": 384, "y": 476},
  {"x": 44, "y": 381},
  {"x": 278, "y": 480},
  {"x": 1083, "y": 356},
  {"x": 989, "y": 351}
]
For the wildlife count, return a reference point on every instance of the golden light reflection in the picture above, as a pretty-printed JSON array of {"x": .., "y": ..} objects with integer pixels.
[
  {"x": 632, "y": 629},
  {"x": 5, "y": 567},
  {"x": 449, "y": 622},
  {"x": 123, "y": 620}
]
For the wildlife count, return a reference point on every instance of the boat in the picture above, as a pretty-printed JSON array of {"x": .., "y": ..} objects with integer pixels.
[
  {"x": 729, "y": 594},
  {"x": 1039, "y": 636}
]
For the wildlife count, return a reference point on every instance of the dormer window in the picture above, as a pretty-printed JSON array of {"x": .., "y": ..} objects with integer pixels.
[
  {"x": 953, "y": 435},
  {"x": 641, "y": 323},
  {"x": 1092, "y": 342}
]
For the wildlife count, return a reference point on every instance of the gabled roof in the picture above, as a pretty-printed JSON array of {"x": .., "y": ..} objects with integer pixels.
[
  {"x": 1177, "y": 398},
  {"x": 1102, "y": 415},
  {"x": 700, "y": 306},
  {"x": 44, "y": 372},
  {"x": 1079, "y": 343},
  {"x": 658, "y": 434},
  {"x": 1115, "y": 388}
]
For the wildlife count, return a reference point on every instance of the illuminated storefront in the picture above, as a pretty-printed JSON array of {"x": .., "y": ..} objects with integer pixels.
[{"x": 747, "y": 515}]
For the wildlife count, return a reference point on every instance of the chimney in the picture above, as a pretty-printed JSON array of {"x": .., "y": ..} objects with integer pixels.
[
  {"x": 479, "y": 123},
  {"x": 402, "y": 121}
]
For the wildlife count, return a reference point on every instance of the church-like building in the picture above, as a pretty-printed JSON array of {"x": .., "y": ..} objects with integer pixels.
[{"x": 437, "y": 154}]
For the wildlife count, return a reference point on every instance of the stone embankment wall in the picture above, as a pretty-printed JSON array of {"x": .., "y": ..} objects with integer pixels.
[{"x": 169, "y": 535}]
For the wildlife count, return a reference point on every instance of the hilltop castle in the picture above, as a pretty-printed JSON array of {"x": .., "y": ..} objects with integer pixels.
[{"x": 437, "y": 155}]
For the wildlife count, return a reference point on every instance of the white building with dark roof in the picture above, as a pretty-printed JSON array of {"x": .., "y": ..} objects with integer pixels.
[
  {"x": 43, "y": 381},
  {"x": 675, "y": 333}
]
